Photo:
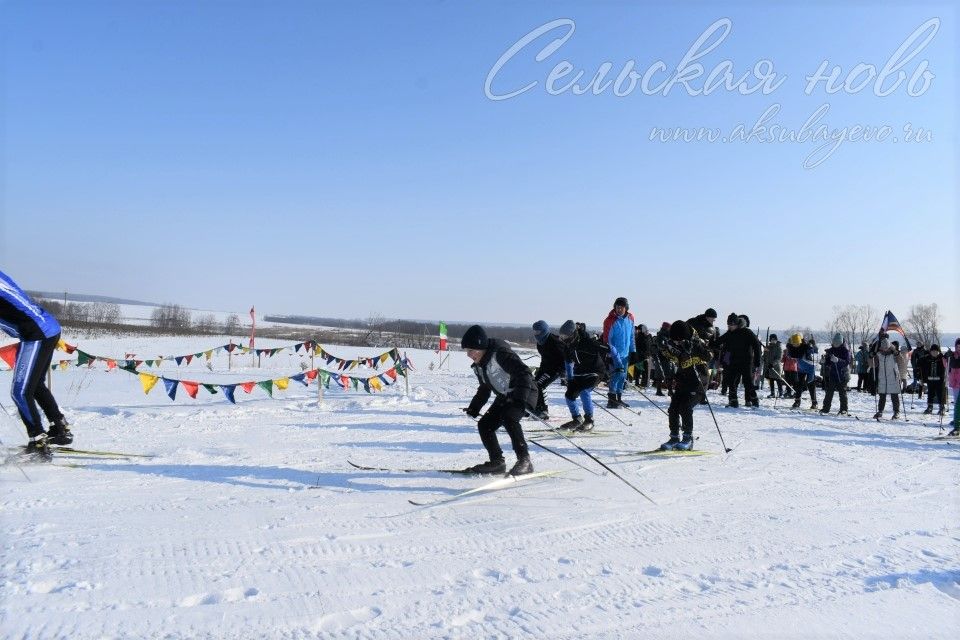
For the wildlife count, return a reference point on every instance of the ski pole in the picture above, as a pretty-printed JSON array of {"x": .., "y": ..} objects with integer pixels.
[
  {"x": 647, "y": 398},
  {"x": 17, "y": 465},
  {"x": 622, "y": 406},
  {"x": 619, "y": 419},
  {"x": 560, "y": 455},
  {"x": 726, "y": 449},
  {"x": 598, "y": 461}
]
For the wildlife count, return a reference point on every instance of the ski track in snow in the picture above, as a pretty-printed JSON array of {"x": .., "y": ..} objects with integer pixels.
[{"x": 248, "y": 522}]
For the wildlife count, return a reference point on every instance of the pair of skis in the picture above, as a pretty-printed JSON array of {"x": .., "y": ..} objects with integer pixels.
[{"x": 499, "y": 483}]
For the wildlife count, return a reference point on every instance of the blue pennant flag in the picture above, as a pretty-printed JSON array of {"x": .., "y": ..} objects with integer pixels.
[
  {"x": 228, "y": 390},
  {"x": 171, "y": 386}
]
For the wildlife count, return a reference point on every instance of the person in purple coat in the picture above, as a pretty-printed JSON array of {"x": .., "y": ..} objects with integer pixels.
[{"x": 837, "y": 373}]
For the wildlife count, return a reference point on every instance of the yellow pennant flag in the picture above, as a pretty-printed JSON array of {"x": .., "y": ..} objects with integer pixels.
[
  {"x": 375, "y": 384},
  {"x": 282, "y": 383},
  {"x": 61, "y": 345},
  {"x": 208, "y": 354},
  {"x": 64, "y": 364},
  {"x": 147, "y": 381}
]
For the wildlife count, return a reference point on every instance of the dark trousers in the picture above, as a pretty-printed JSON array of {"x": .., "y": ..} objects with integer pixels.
[
  {"x": 935, "y": 393},
  {"x": 28, "y": 389},
  {"x": 680, "y": 412},
  {"x": 779, "y": 386},
  {"x": 506, "y": 415},
  {"x": 883, "y": 402},
  {"x": 831, "y": 386},
  {"x": 802, "y": 385},
  {"x": 543, "y": 381},
  {"x": 862, "y": 380},
  {"x": 733, "y": 375}
]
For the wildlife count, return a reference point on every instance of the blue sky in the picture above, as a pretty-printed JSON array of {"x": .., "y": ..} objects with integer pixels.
[{"x": 343, "y": 159}]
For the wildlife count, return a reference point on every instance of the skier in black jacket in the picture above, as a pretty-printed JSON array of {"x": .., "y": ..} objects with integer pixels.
[
  {"x": 584, "y": 363},
  {"x": 702, "y": 326},
  {"x": 933, "y": 372},
  {"x": 687, "y": 351},
  {"x": 744, "y": 351},
  {"x": 551, "y": 363},
  {"x": 500, "y": 371}
]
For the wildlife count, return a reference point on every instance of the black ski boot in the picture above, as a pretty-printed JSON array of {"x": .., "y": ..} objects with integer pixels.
[
  {"x": 491, "y": 467},
  {"x": 928, "y": 410},
  {"x": 954, "y": 432},
  {"x": 733, "y": 403},
  {"x": 671, "y": 443},
  {"x": 573, "y": 424},
  {"x": 612, "y": 401},
  {"x": 522, "y": 468},
  {"x": 587, "y": 424},
  {"x": 620, "y": 400},
  {"x": 59, "y": 433},
  {"x": 38, "y": 449}
]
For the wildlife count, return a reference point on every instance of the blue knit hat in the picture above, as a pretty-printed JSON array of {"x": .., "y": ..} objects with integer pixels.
[{"x": 541, "y": 330}]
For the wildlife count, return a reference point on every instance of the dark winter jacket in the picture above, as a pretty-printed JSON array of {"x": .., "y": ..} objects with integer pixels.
[
  {"x": 862, "y": 359},
  {"x": 663, "y": 367},
  {"x": 644, "y": 345},
  {"x": 551, "y": 356},
  {"x": 742, "y": 345},
  {"x": 587, "y": 354},
  {"x": 932, "y": 370},
  {"x": 21, "y": 317},
  {"x": 772, "y": 356},
  {"x": 502, "y": 372},
  {"x": 686, "y": 355},
  {"x": 704, "y": 330},
  {"x": 804, "y": 357},
  {"x": 838, "y": 371}
]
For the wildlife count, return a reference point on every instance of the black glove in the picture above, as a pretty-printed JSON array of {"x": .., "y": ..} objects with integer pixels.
[{"x": 470, "y": 412}]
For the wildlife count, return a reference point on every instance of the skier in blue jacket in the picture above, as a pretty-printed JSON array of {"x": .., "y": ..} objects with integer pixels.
[
  {"x": 39, "y": 333},
  {"x": 618, "y": 334}
]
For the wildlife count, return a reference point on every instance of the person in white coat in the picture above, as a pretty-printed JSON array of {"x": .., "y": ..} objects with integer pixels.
[{"x": 887, "y": 372}]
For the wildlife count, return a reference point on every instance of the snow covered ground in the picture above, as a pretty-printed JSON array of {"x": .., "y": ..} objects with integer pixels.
[{"x": 248, "y": 521}]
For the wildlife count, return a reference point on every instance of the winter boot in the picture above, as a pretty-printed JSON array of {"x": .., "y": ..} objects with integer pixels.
[
  {"x": 686, "y": 444},
  {"x": 59, "y": 433},
  {"x": 39, "y": 449},
  {"x": 954, "y": 432},
  {"x": 612, "y": 401},
  {"x": 878, "y": 415},
  {"x": 813, "y": 405},
  {"x": 796, "y": 403},
  {"x": 573, "y": 424},
  {"x": 522, "y": 468},
  {"x": 928, "y": 410},
  {"x": 754, "y": 403},
  {"x": 896, "y": 416},
  {"x": 733, "y": 403},
  {"x": 620, "y": 400},
  {"x": 587, "y": 424},
  {"x": 671, "y": 443},
  {"x": 492, "y": 467}
]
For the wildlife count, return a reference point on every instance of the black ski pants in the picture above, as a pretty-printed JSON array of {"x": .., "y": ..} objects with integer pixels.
[
  {"x": 543, "y": 379},
  {"x": 740, "y": 372},
  {"x": 680, "y": 412},
  {"x": 507, "y": 415},
  {"x": 832, "y": 386},
  {"x": 28, "y": 389},
  {"x": 935, "y": 393},
  {"x": 895, "y": 397}
]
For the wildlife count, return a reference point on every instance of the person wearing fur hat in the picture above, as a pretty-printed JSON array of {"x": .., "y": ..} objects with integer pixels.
[
  {"x": 551, "y": 363},
  {"x": 619, "y": 336},
  {"x": 686, "y": 351},
  {"x": 741, "y": 357},
  {"x": 584, "y": 365},
  {"x": 953, "y": 383},
  {"x": 772, "y": 366},
  {"x": 502, "y": 373},
  {"x": 837, "y": 362},
  {"x": 933, "y": 372},
  {"x": 887, "y": 374}
]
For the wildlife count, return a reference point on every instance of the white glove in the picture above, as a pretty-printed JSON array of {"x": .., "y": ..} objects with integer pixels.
[{"x": 834, "y": 359}]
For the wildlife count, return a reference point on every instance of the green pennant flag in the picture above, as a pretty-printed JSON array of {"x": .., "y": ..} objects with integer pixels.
[
  {"x": 83, "y": 358},
  {"x": 212, "y": 388},
  {"x": 356, "y": 383},
  {"x": 267, "y": 386}
]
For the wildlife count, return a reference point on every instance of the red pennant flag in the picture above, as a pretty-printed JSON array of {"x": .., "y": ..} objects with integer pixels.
[
  {"x": 111, "y": 364},
  {"x": 312, "y": 374},
  {"x": 188, "y": 358},
  {"x": 190, "y": 387},
  {"x": 392, "y": 374},
  {"x": 248, "y": 386},
  {"x": 9, "y": 353}
]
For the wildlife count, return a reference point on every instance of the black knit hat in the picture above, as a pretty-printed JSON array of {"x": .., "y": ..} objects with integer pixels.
[
  {"x": 623, "y": 301},
  {"x": 710, "y": 313},
  {"x": 680, "y": 330},
  {"x": 475, "y": 338},
  {"x": 567, "y": 329},
  {"x": 733, "y": 319}
]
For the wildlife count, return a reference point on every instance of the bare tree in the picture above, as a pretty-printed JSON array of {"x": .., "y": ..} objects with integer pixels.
[
  {"x": 924, "y": 323},
  {"x": 206, "y": 323},
  {"x": 855, "y": 322},
  {"x": 76, "y": 312},
  {"x": 377, "y": 330},
  {"x": 231, "y": 326},
  {"x": 170, "y": 317},
  {"x": 104, "y": 313}
]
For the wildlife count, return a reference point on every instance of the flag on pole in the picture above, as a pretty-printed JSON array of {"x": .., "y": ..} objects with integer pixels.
[
  {"x": 443, "y": 336},
  {"x": 890, "y": 323},
  {"x": 253, "y": 326}
]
